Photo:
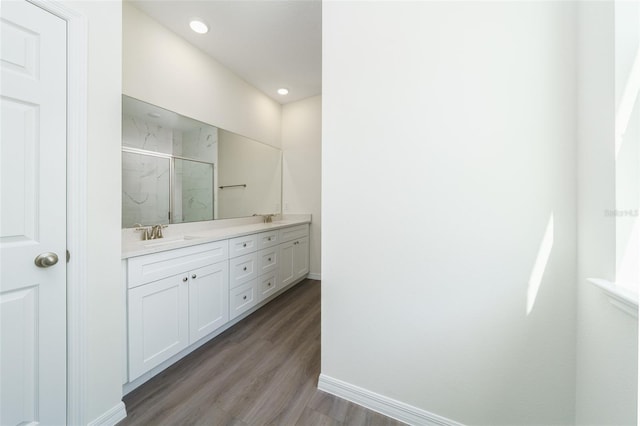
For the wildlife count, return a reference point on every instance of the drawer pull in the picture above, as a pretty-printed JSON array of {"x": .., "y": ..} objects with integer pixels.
[
  {"x": 194, "y": 276},
  {"x": 185, "y": 279},
  {"x": 244, "y": 245},
  {"x": 244, "y": 269},
  {"x": 269, "y": 259},
  {"x": 268, "y": 284},
  {"x": 269, "y": 239},
  {"x": 244, "y": 298}
]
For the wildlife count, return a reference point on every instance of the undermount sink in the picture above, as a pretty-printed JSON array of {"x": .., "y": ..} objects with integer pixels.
[{"x": 164, "y": 241}]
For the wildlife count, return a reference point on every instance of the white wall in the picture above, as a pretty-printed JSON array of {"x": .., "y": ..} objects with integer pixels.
[
  {"x": 607, "y": 338},
  {"x": 302, "y": 167},
  {"x": 448, "y": 145},
  {"x": 105, "y": 312},
  {"x": 163, "y": 69},
  {"x": 627, "y": 154}
]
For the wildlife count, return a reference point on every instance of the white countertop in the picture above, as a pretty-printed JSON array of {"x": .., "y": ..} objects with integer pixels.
[{"x": 185, "y": 235}]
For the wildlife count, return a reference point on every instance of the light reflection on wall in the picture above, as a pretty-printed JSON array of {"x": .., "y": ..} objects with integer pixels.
[
  {"x": 627, "y": 145},
  {"x": 540, "y": 265}
]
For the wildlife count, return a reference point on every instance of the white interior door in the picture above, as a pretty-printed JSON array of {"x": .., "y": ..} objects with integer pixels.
[{"x": 33, "y": 215}]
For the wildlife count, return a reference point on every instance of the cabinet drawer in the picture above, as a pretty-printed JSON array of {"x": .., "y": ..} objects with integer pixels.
[
  {"x": 268, "y": 260},
  {"x": 152, "y": 267},
  {"x": 268, "y": 239},
  {"x": 267, "y": 285},
  {"x": 291, "y": 233},
  {"x": 242, "y": 298},
  {"x": 243, "y": 245},
  {"x": 243, "y": 269}
]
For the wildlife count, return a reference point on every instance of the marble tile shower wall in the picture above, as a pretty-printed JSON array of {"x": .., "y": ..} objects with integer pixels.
[
  {"x": 200, "y": 143},
  {"x": 196, "y": 191},
  {"x": 145, "y": 189},
  {"x": 145, "y": 179}
]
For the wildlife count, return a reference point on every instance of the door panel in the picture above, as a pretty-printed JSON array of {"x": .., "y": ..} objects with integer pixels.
[
  {"x": 19, "y": 48},
  {"x": 158, "y": 323},
  {"x": 301, "y": 257},
  {"x": 33, "y": 214},
  {"x": 19, "y": 361},
  {"x": 208, "y": 300},
  {"x": 287, "y": 272},
  {"x": 19, "y": 123}
]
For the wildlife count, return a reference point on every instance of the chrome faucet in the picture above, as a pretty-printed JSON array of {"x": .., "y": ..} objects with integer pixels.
[
  {"x": 266, "y": 218},
  {"x": 150, "y": 232},
  {"x": 156, "y": 231}
]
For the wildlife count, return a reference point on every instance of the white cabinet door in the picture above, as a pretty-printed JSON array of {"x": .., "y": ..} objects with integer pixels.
[
  {"x": 287, "y": 273},
  {"x": 294, "y": 261},
  {"x": 158, "y": 322},
  {"x": 208, "y": 300},
  {"x": 301, "y": 257}
]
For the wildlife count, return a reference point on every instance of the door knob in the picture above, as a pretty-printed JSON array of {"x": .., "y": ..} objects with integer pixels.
[{"x": 45, "y": 260}]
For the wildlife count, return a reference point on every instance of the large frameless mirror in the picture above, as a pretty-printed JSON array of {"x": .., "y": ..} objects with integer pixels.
[{"x": 176, "y": 169}]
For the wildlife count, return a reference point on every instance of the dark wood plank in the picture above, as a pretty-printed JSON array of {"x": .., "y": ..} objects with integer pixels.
[
  {"x": 262, "y": 371},
  {"x": 312, "y": 417},
  {"x": 329, "y": 405}
]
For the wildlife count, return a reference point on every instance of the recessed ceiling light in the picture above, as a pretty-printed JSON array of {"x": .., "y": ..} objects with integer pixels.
[
  {"x": 282, "y": 91},
  {"x": 199, "y": 26}
]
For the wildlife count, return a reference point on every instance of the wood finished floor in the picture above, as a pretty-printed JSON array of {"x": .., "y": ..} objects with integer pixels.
[{"x": 262, "y": 371}]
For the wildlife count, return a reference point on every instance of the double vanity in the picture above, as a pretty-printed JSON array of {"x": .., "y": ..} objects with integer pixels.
[
  {"x": 200, "y": 279},
  {"x": 212, "y": 260}
]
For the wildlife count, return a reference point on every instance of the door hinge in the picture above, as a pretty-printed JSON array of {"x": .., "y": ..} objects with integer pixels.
[{"x": 68, "y": 256}]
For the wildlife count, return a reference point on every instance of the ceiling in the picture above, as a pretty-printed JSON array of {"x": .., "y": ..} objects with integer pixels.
[{"x": 268, "y": 43}]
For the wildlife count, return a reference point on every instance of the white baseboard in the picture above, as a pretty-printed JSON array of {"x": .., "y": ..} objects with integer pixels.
[
  {"x": 384, "y": 405},
  {"x": 313, "y": 276},
  {"x": 111, "y": 417}
]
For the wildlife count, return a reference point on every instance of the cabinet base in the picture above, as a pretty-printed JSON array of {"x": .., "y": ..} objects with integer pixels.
[{"x": 130, "y": 386}]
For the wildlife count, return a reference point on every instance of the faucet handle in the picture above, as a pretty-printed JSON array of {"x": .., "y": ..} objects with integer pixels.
[
  {"x": 156, "y": 231},
  {"x": 145, "y": 232}
]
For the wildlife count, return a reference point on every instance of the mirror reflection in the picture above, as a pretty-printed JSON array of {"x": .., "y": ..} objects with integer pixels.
[{"x": 176, "y": 169}]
